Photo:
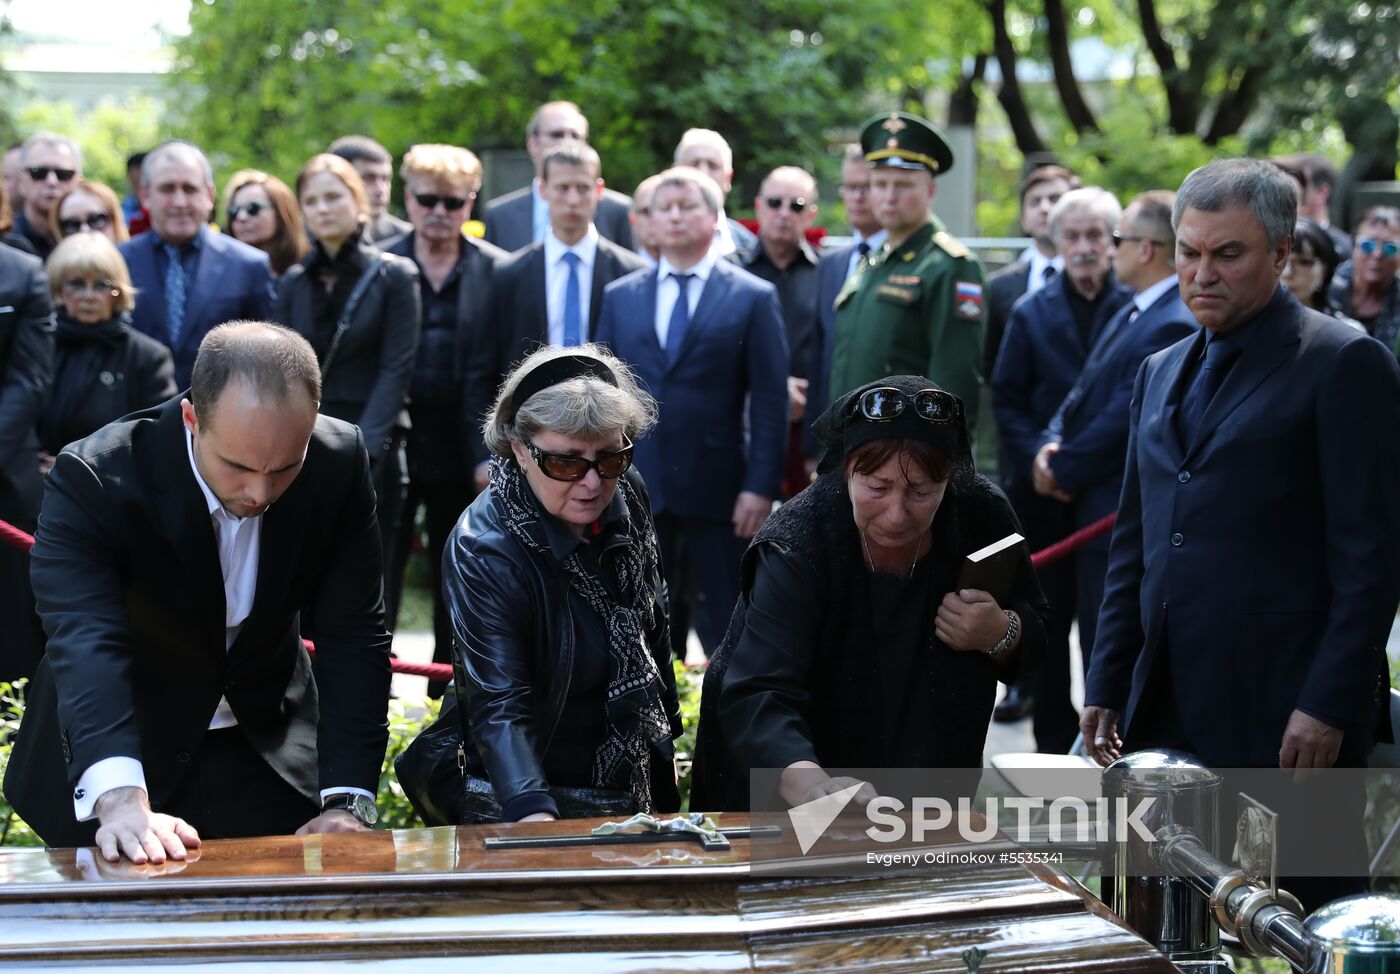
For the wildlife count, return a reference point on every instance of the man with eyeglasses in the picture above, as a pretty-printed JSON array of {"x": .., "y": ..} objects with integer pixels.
[
  {"x": 1046, "y": 344},
  {"x": 549, "y": 293},
  {"x": 521, "y": 217},
  {"x": 707, "y": 150},
  {"x": 376, "y": 168},
  {"x": 1084, "y": 444},
  {"x": 48, "y": 165},
  {"x": 786, "y": 206},
  {"x": 915, "y": 307},
  {"x": 455, "y": 271}
]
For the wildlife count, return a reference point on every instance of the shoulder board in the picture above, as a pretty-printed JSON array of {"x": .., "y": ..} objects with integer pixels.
[{"x": 950, "y": 243}]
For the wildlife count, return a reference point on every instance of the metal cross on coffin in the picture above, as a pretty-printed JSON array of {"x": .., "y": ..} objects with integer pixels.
[{"x": 696, "y": 827}]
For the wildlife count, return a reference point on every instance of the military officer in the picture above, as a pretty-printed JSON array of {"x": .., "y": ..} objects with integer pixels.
[{"x": 916, "y": 306}]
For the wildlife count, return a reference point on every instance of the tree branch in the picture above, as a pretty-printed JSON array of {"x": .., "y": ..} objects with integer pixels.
[
  {"x": 1076, "y": 108},
  {"x": 962, "y": 103},
  {"x": 1235, "y": 105},
  {"x": 1027, "y": 139},
  {"x": 1183, "y": 106}
]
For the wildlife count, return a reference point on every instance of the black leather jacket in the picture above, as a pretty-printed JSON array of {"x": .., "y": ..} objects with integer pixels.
[{"x": 514, "y": 620}]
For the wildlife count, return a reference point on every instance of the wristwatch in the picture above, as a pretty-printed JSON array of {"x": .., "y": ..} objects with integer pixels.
[
  {"x": 1013, "y": 629},
  {"x": 360, "y": 806}
]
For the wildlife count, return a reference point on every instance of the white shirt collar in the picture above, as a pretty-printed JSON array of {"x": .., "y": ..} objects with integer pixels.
[
  {"x": 876, "y": 240},
  {"x": 1147, "y": 297},
  {"x": 723, "y": 244},
  {"x": 701, "y": 270},
  {"x": 587, "y": 248}
]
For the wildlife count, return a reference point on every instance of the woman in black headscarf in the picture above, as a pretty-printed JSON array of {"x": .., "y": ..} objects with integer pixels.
[{"x": 851, "y": 645}]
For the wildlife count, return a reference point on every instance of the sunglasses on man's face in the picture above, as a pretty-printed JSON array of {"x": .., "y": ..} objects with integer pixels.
[
  {"x": 76, "y": 224},
  {"x": 886, "y": 403},
  {"x": 251, "y": 209},
  {"x": 41, "y": 173},
  {"x": 430, "y": 200},
  {"x": 564, "y": 466},
  {"x": 797, "y": 204},
  {"x": 1369, "y": 246}
]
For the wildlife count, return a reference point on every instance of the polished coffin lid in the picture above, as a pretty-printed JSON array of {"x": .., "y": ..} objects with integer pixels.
[{"x": 391, "y": 900}]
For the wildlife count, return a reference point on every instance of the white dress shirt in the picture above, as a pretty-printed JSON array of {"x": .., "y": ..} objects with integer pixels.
[
  {"x": 1147, "y": 297},
  {"x": 1037, "y": 277},
  {"x": 239, "y": 540},
  {"x": 724, "y": 244},
  {"x": 668, "y": 288},
  {"x": 556, "y": 282},
  {"x": 875, "y": 241}
]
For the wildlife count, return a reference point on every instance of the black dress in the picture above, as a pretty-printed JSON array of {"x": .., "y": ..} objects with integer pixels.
[
  {"x": 826, "y": 662},
  {"x": 101, "y": 373}
]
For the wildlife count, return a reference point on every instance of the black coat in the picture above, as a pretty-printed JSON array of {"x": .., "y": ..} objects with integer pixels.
[
  {"x": 127, "y": 576},
  {"x": 101, "y": 372},
  {"x": 821, "y": 696},
  {"x": 26, "y": 368},
  {"x": 514, "y": 617},
  {"x": 367, "y": 380}
]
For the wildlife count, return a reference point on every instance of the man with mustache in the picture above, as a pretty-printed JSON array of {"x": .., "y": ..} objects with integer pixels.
[
  {"x": 1043, "y": 352},
  {"x": 1255, "y": 564},
  {"x": 455, "y": 272}
]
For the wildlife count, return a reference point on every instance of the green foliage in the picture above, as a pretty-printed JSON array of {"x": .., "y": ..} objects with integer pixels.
[
  {"x": 407, "y": 719},
  {"x": 688, "y": 682},
  {"x": 107, "y": 134},
  {"x": 13, "y": 830}
]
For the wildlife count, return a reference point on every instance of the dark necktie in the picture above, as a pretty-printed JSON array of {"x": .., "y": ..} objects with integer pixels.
[
  {"x": 573, "y": 330},
  {"x": 1220, "y": 355},
  {"x": 174, "y": 292},
  {"x": 862, "y": 249},
  {"x": 680, "y": 318},
  {"x": 1047, "y": 272}
]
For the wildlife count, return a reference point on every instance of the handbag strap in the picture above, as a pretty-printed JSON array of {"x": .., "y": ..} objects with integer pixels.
[{"x": 377, "y": 269}]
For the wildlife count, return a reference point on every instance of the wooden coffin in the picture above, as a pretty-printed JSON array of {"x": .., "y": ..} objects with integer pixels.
[{"x": 420, "y": 900}]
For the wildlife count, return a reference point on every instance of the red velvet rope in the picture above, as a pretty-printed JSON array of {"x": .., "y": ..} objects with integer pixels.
[{"x": 443, "y": 672}]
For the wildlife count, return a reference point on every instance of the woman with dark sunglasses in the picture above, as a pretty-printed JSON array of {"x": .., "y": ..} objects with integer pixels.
[
  {"x": 1365, "y": 287},
  {"x": 852, "y": 645},
  {"x": 262, "y": 212},
  {"x": 88, "y": 207},
  {"x": 568, "y": 703},
  {"x": 359, "y": 308}
]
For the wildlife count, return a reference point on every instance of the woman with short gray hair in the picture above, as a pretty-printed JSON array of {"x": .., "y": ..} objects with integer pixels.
[{"x": 552, "y": 580}]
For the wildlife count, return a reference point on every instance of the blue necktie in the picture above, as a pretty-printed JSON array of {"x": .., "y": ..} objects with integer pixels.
[
  {"x": 680, "y": 317},
  {"x": 573, "y": 331},
  {"x": 174, "y": 293},
  {"x": 1220, "y": 355}
]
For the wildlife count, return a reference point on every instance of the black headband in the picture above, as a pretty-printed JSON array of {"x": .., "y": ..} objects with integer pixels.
[{"x": 555, "y": 371}]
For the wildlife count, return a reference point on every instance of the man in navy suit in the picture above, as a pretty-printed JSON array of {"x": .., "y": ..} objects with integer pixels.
[
  {"x": 706, "y": 338},
  {"x": 1083, "y": 446},
  {"x": 1255, "y": 565},
  {"x": 188, "y": 277},
  {"x": 521, "y": 217},
  {"x": 1046, "y": 344}
]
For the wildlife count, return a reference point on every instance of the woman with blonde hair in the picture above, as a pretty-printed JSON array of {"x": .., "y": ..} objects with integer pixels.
[
  {"x": 103, "y": 368},
  {"x": 88, "y": 206},
  {"x": 262, "y": 212}
]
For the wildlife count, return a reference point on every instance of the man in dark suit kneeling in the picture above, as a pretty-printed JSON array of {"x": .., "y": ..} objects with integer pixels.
[{"x": 180, "y": 554}]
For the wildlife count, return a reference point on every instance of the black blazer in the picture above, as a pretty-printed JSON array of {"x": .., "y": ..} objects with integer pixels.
[
  {"x": 367, "y": 381},
  {"x": 1004, "y": 289},
  {"x": 26, "y": 368},
  {"x": 510, "y": 221},
  {"x": 97, "y": 381},
  {"x": 518, "y": 318},
  {"x": 127, "y": 577}
]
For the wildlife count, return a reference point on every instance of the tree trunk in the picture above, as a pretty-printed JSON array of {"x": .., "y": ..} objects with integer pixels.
[
  {"x": 1057, "y": 34},
  {"x": 1235, "y": 106},
  {"x": 1183, "y": 102},
  {"x": 1373, "y": 130},
  {"x": 1027, "y": 139},
  {"x": 962, "y": 103}
]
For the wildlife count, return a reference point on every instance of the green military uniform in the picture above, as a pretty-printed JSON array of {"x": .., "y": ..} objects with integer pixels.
[{"x": 915, "y": 309}]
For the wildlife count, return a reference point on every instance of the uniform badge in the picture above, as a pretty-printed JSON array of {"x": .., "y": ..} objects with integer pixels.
[
  {"x": 969, "y": 300},
  {"x": 894, "y": 125}
]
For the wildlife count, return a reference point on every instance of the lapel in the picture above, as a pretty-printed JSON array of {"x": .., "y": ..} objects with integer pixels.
[
  {"x": 644, "y": 322},
  {"x": 183, "y": 517},
  {"x": 1269, "y": 347},
  {"x": 712, "y": 298},
  {"x": 208, "y": 271},
  {"x": 605, "y": 270},
  {"x": 145, "y": 273},
  {"x": 535, "y": 316}
]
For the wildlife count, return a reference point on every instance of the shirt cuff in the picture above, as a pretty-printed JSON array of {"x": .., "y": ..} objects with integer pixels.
[
  {"x": 328, "y": 792},
  {"x": 104, "y": 776}
]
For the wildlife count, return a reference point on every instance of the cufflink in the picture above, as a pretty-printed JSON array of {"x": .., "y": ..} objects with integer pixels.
[{"x": 80, "y": 794}]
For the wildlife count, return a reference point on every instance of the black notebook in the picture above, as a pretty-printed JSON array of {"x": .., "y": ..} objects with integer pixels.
[{"x": 993, "y": 568}]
